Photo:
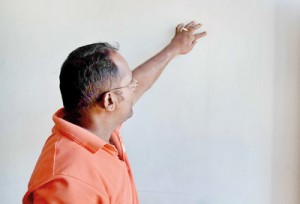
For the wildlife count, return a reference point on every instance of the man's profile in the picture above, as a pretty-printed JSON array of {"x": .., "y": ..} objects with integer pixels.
[{"x": 83, "y": 160}]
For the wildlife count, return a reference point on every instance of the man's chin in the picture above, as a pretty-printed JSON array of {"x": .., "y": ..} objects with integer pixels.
[{"x": 131, "y": 114}]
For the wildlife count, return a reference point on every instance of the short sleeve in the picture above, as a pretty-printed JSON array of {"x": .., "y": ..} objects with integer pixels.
[{"x": 67, "y": 190}]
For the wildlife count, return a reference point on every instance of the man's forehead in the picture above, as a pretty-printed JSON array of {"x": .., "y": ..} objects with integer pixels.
[
  {"x": 122, "y": 65},
  {"x": 117, "y": 58}
]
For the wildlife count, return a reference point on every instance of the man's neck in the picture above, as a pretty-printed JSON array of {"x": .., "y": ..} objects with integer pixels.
[{"x": 99, "y": 124}]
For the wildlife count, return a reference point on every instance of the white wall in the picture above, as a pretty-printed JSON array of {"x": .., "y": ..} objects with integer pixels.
[{"x": 220, "y": 125}]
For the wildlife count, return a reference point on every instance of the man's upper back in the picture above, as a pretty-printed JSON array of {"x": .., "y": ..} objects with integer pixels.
[{"x": 76, "y": 166}]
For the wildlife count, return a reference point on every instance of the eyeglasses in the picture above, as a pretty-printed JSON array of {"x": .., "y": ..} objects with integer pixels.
[{"x": 133, "y": 84}]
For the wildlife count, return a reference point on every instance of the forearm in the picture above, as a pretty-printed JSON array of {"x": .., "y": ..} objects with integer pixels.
[
  {"x": 182, "y": 43},
  {"x": 148, "y": 72}
]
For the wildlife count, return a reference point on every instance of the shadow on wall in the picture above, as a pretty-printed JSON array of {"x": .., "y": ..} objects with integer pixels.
[{"x": 286, "y": 149}]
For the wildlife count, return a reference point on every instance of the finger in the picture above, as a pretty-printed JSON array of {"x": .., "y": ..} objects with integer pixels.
[
  {"x": 195, "y": 27},
  {"x": 200, "y": 35},
  {"x": 178, "y": 28},
  {"x": 187, "y": 26},
  {"x": 194, "y": 43}
]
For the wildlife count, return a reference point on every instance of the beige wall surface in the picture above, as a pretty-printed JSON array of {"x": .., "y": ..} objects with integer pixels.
[{"x": 220, "y": 126}]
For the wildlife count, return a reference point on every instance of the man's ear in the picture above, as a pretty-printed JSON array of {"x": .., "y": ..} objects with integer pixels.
[{"x": 109, "y": 101}]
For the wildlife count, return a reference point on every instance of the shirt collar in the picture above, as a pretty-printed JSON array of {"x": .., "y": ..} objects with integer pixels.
[{"x": 78, "y": 134}]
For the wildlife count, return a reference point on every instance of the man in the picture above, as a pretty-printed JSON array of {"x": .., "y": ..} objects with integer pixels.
[{"x": 84, "y": 160}]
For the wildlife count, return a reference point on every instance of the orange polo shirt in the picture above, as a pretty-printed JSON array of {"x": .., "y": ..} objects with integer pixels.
[{"x": 76, "y": 166}]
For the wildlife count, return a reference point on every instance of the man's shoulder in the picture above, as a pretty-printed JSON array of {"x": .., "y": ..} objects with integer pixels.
[{"x": 62, "y": 157}]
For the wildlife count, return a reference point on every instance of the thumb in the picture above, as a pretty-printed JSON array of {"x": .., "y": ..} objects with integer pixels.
[{"x": 200, "y": 35}]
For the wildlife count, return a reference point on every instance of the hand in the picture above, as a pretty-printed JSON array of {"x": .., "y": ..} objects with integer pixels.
[{"x": 185, "y": 39}]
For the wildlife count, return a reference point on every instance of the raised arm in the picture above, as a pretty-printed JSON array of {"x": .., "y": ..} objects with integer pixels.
[{"x": 182, "y": 43}]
